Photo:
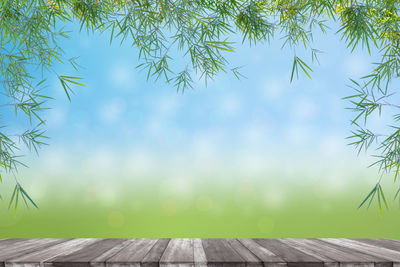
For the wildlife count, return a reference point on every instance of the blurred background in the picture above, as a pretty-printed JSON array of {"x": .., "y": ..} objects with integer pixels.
[{"x": 255, "y": 157}]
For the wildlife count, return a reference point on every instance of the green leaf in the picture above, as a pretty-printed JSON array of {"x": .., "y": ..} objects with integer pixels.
[
  {"x": 66, "y": 89},
  {"x": 383, "y": 197},
  {"x": 16, "y": 202},
  {"x": 26, "y": 195},
  {"x": 12, "y": 197},
  {"x": 71, "y": 80},
  {"x": 304, "y": 67},
  {"x": 294, "y": 67},
  {"x": 370, "y": 195}
]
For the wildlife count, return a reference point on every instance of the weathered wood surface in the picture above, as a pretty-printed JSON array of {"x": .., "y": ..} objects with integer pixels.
[{"x": 186, "y": 252}]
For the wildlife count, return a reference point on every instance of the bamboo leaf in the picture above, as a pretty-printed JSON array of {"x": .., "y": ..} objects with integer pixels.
[
  {"x": 370, "y": 195},
  {"x": 383, "y": 197},
  {"x": 25, "y": 194},
  {"x": 293, "y": 68},
  {"x": 12, "y": 197},
  {"x": 16, "y": 201}
]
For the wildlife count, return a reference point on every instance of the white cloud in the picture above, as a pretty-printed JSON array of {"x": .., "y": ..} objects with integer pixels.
[
  {"x": 253, "y": 162},
  {"x": 336, "y": 110},
  {"x": 298, "y": 135},
  {"x": 177, "y": 186},
  {"x": 256, "y": 133},
  {"x": 229, "y": 105},
  {"x": 272, "y": 89},
  {"x": 205, "y": 148},
  {"x": 156, "y": 127},
  {"x": 168, "y": 105},
  {"x": 122, "y": 76},
  {"x": 102, "y": 162},
  {"x": 139, "y": 162},
  {"x": 112, "y": 110},
  {"x": 55, "y": 160},
  {"x": 305, "y": 109},
  {"x": 56, "y": 117},
  {"x": 332, "y": 146}
]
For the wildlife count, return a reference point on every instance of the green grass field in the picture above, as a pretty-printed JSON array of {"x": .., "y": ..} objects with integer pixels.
[{"x": 230, "y": 208}]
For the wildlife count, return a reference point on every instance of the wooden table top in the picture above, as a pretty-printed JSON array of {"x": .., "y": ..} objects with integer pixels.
[{"x": 199, "y": 252}]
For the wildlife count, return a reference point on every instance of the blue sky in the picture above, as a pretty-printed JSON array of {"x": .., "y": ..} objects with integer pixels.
[{"x": 122, "y": 125}]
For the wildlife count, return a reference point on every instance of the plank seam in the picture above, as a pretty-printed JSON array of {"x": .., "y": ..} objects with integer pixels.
[
  {"x": 41, "y": 263},
  {"x": 155, "y": 243},
  {"x": 247, "y": 250}
]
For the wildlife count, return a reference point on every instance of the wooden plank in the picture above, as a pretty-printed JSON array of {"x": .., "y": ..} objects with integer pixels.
[
  {"x": 385, "y": 243},
  {"x": 100, "y": 260},
  {"x": 244, "y": 253},
  {"x": 330, "y": 255},
  {"x": 26, "y": 247},
  {"x": 218, "y": 251},
  {"x": 133, "y": 254},
  {"x": 153, "y": 258},
  {"x": 292, "y": 256},
  {"x": 266, "y": 256},
  {"x": 199, "y": 253},
  {"x": 84, "y": 256},
  {"x": 200, "y": 259},
  {"x": 356, "y": 253},
  {"x": 10, "y": 242},
  {"x": 36, "y": 259},
  {"x": 378, "y": 252},
  {"x": 299, "y": 245},
  {"x": 179, "y": 252}
]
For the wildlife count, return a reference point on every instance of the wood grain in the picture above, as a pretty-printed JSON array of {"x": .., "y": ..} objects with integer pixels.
[
  {"x": 132, "y": 254},
  {"x": 385, "y": 243},
  {"x": 364, "y": 256},
  {"x": 331, "y": 256},
  {"x": 185, "y": 252},
  {"x": 153, "y": 257},
  {"x": 26, "y": 247},
  {"x": 199, "y": 255},
  {"x": 266, "y": 256},
  {"x": 249, "y": 258},
  {"x": 84, "y": 256},
  {"x": 218, "y": 251},
  {"x": 100, "y": 261},
  {"x": 179, "y": 252},
  {"x": 381, "y": 252},
  {"x": 38, "y": 257},
  {"x": 291, "y": 255}
]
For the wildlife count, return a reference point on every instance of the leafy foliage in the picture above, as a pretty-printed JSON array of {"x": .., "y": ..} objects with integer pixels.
[
  {"x": 19, "y": 191},
  {"x": 30, "y": 31}
]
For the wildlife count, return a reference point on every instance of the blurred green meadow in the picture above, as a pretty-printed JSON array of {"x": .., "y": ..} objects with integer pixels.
[{"x": 236, "y": 207}]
